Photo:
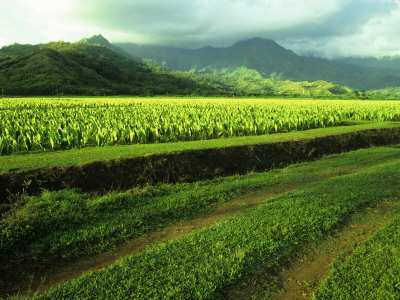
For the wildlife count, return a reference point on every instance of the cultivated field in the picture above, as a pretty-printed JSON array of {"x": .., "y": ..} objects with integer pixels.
[
  {"x": 40, "y": 124},
  {"x": 249, "y": 236}
]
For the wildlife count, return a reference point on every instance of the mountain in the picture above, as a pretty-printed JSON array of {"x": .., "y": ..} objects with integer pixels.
[
  {"x": 102, "y": 41},
  {"x": 16, "y": 49},
  {"x": 84, "y": 69},
  {"x": 93, "y": 66},
  {"x": 385, "y": 62},
  {"x": 263, "y": 58}
]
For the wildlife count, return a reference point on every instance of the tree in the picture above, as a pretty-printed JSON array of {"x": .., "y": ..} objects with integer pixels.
[
  {"x": 364, "y": 95},
  {"x": 276, "y": 77}
]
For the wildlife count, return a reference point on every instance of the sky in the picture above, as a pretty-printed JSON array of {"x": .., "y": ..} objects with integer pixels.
[{"x": 322, "y": 28}]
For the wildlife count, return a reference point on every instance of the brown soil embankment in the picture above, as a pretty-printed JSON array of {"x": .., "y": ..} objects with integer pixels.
[{"x": 189, "y": 166}]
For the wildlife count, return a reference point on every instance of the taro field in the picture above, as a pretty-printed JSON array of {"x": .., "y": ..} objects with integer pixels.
[{"x": 34, "y": 124}]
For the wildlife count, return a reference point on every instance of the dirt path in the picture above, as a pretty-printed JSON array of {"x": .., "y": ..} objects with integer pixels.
[
  {"x": 304, "y": 275},
  {"x": 66, "y": 271},
  {"x": 306, "y": 271}
]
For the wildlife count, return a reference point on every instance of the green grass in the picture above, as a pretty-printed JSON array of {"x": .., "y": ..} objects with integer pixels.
[
  {"x": 69, "y": 225},
  {"x": 373, "y": 272},
  {"x": 202, "y": 264},
  {"x": 23, "y": 162}
]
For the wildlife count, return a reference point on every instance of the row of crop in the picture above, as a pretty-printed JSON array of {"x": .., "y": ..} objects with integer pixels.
[
  {"x": 66, "y": 125},
  {"x": 29, "y": 130},
  {"x": 70, "y": 225},
  {"x": 201, "y": 265},
  {"x": 373, "y": 272}
]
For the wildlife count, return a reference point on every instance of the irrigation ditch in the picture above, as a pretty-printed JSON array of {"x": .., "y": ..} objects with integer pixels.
[{"x": 189, "y": 166}]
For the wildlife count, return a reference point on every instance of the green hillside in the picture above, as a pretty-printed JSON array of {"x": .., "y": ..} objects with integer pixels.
[
  {"x": 84, "y": 69},
  {"x": 93, "y": 66},
  {"x": 266, "y": 57},
  {"x": 100, "y": 40},
  {"x": 388, "y": 91},
  {"x": 248, "y": 84},
  {"x": 385, "y": 62}
]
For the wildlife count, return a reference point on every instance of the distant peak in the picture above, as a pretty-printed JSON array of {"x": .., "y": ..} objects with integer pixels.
[
  {"x": 208, "y": 47},
  {"x": 256, "y": 41},
  {"x": 97, "y": 39}
]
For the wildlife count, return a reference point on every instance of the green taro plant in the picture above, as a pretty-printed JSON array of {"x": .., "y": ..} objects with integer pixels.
[{"x": 58, "y": 124}]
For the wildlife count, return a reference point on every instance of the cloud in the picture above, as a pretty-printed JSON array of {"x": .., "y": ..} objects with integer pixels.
[
  {"x": 204, "y": 21},
  {"x": 32, "y": 21},
  {"x": 325, "y": 27},
  {"x": 374, "y": 35}
]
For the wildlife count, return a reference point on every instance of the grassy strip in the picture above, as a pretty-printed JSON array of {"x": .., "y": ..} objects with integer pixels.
[
  {"x": 373, "y": 272},
  {"x": 69, "y": 225},
  {"x": 87, "y": 155},
  {"x": 202, "y": 264}
]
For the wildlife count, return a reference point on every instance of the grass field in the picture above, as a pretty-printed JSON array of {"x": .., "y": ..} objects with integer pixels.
[
  {"x": 68, "y": 225},
  {"x": 205, "y": 239},
  {"x": 204, "y": 263},
  {"x": 373, "y": 272}
]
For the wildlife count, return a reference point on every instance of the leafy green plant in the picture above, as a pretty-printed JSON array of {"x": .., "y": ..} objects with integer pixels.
[{"x": 34, "y": 124}]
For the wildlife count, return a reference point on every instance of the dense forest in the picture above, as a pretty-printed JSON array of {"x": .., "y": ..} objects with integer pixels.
[
  {"x": 93, "y": 66},
  {"x": 82, "y": 69}
]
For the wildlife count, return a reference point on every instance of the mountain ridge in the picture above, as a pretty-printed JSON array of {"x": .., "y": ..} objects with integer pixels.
[
  {"x": 94, "y": 66},
  {"x": 82, "y": 69},
  {"x": 266, "y": 57}
]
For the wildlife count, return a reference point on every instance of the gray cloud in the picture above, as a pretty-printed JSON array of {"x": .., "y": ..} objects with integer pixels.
[
  {"x": 309, "y": 27},
  {"x": 200, "y": 21},
  {"x": 325, "y": 27},
  {"x": 369, "y": 32}
]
